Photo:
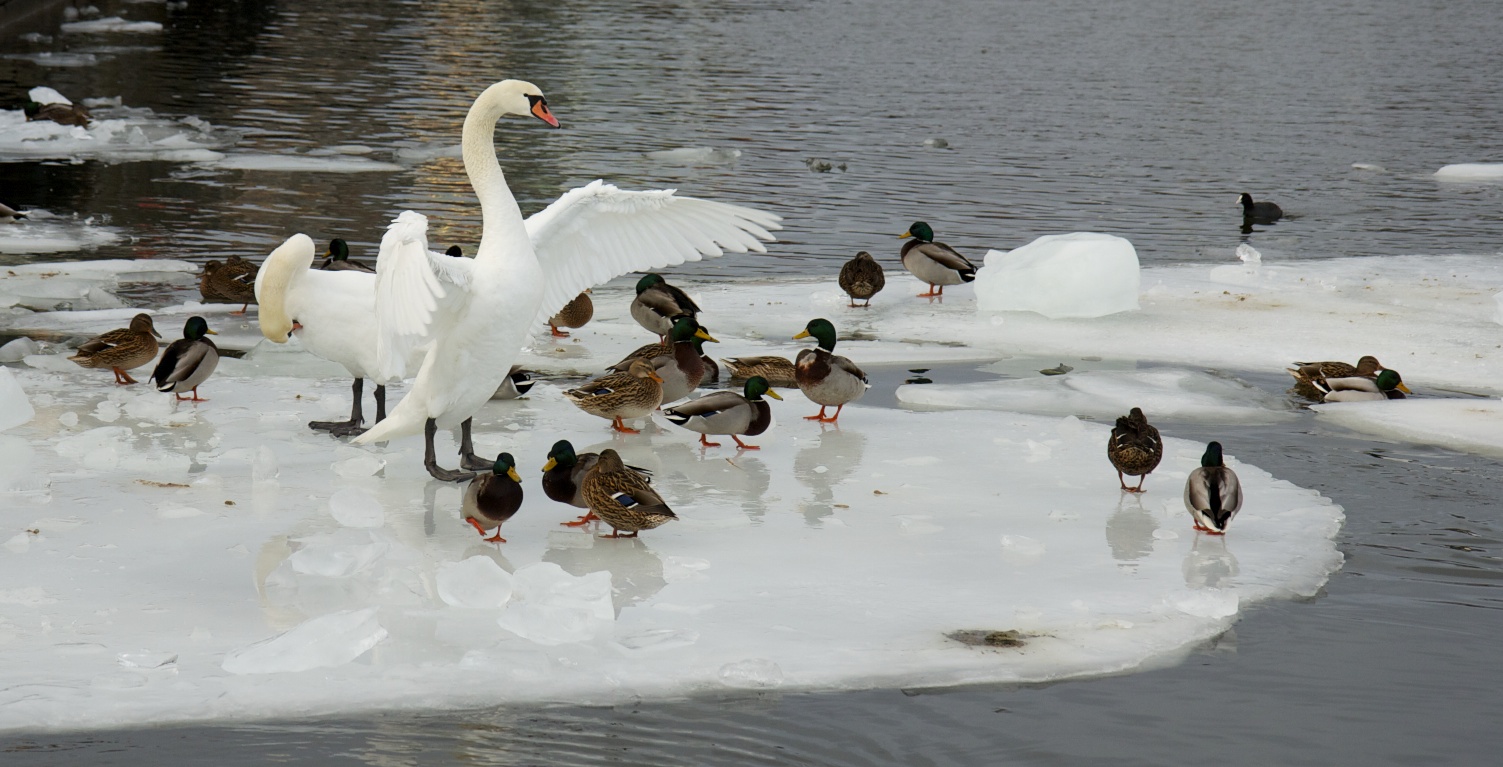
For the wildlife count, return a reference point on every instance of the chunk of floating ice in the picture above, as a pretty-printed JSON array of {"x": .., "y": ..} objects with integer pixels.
[
  {"x": 15, "y": 408},
  {"x": 1468, "y": 424},
  {"x": 695, "y": 155},
  {"x": 109, "y": 24},
  {"x": 55, "y": 234},
  {"x": 328, "y": 640},
  {"x": 355, "y": 508},
  {"x": 1248, "y": 254},
  {"x": 18, "y": 349},
  {"x": 477, "y": 583},
  {"x": 358, "y": 466},
  {"x": 303, "y": 163},
  {"x": 557, "y": 608},
  {"x": 753, "y": 673},
  {"x": 1106, "y": 394},
  {"x": 1368, "y": 167},
  {"x": 337, "y": 555},
  {"x": 1061, "y": 275},
  {"x": 1471, "y": 171},
  {"x": 137, "y": 134},
  {"x": 44, "y": 95}
]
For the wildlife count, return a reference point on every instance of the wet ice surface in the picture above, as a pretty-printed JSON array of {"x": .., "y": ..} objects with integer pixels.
[
  {"x": 290, "y": 573},
  {"x": 1469, "y": 424}
]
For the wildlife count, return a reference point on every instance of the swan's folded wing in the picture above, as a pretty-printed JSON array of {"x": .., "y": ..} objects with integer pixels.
[
  {"x": 412, "y": 284},
  {"x": 597, "y": 232}
]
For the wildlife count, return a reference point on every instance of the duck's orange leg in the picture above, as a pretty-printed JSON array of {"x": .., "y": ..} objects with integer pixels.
[
  {"x": 556, "y": 332},
  {"x": 582, "y": 521},
  {"x": 833, "y": 418},
  {"x": 704, "y": 440},
  {"x": 620, "y": 426},
  {"x": 820, "y": 417},
  {"x": 743, "y": 445}
]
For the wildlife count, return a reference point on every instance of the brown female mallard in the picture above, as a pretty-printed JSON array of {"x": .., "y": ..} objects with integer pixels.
[
  {"x": 563, "y": 478},
  {"x": 622, "y": 498},
  {"x": 231, "y": 282},
  {"x": 681, "y": 364},
  {"x": 493, "y": 498},
  {"x": 575, "y": 314},
  {"x": 826, "y": 377},
  {"x": 862, "y": 277},
  {"x": 779, "y": 371},
  {"x": 1134, "y": 448},
  {"x": 658, "y": 304},
  {"x": 726, "y": 412},
  {"x": 62, "y": 114},
  {"x": 632, "y": 394},
  {"x": 934, "y": 262},
  {"x": 188, "y": 361},
  {"x": 121, "y": 350}
]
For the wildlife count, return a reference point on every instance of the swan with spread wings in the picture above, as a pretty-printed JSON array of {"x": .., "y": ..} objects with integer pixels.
[{"x": 472, "y": 316}]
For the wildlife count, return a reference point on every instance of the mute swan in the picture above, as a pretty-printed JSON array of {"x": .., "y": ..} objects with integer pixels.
[{"x": 472, "y": 316}]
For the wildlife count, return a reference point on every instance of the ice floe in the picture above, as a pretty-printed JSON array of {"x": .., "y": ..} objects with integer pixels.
[
  {"x": 1468, "y": 424},
  {"x": 122, "y": 135},
  {"x": 695, "y": 155},
  {"x": 219, "y": 534},
  {"x": 15, "y": 408},
  {"x": 1061, "y": 275},
  {"x": 1471, "y": 171},
  {"x": 64, "y": 290},
  {"x": 329, "y": 163},
  {"x": 109, "y": 24},
  {"x": 45, "y": 232}
]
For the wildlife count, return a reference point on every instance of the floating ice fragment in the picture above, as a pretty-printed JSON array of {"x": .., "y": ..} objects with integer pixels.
[
  {"x": 15, "y": 408},
  {"x": 355, "y": 508},
  {"x": 695, "y": 155},
  {"x": 558, "y": 608},
  {"x": 146, "y": 659},
  {"x": 477, "y": 583},
  {"x": 1471, "y": 171},
  {"x": 328, "y": 640},
  {"x": 107, "y": 411},
  {"x": 1368, "y": 166},
  {"x": 1249, "y": 254},
  {"x": 18, "y": 349},
  {"x": 302, "y": 163},
  {"x": 44, "y": 96},
  {"x": 753, "y": 673},
  {"x": 110, "y": 24},
  {"x": 1062, "y": 275},
  {"x": 359, "y": 466},
  {"x": 337, "y": 555}
]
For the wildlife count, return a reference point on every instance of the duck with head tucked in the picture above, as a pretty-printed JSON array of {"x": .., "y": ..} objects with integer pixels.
[
  {"x": 493, "y": 497},
  {"x": 826, "y": 377},
  {"x": 934, "y": 262},
  {"x": 575, "y": 314},
  {"x": 623, "y": 499},
  {"x": 862, "y": 277},
  {"x": 188, "y": 361},
  {"x": 1134, "y": 448},
  {"x": 121, "y": 350},
  {"x": 231, "y": 282}
]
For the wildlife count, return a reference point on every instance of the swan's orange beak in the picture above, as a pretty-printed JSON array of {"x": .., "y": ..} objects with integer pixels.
[{"x": 540, "y": 111}]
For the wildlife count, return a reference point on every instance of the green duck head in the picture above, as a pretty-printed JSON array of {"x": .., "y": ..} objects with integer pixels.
[
  {"x": 648, "y": 280},
  {"x": 339, "y": 250},
  {"x": 1388, "y": 380},
  {"x": 507, "y": 465},
  {"x": 32, "y": 109},
  {"x": 197, "y": 328},
  {"x": 919, "y": 231},
  {"x": 1212, "y": 457},
  {"x": 756, "y": 386},
  {"x": 562, "y": 454},
  {"x": 454, "y": 251},
  {"x": 686, "y": 328},
  {"x": 822, "y": 331}
]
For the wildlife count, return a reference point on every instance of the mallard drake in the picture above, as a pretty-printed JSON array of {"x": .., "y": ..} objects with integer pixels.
[
  {"x": 726, "y": 412},
  {"x": 188, "y": 361},
  {"x": 575, "y": 314},
  {"x": 62, "y": 114},
  {"x": 492, "y": 498},
  {"x": 1212, "y": 493},
  {"x": 1134, "y": 448},
  {"x": 658, "y": 304},
  {"x": 934, "y": 262},
  {"x": 1307, "y": 373},
  {"x": 517, "y": 383},
  {"x": 632, "y": 394},
  {"x": 824, "y": 376},
  {"x": 337, "y": 259},
  {"x": 121, "y": 350},
  {"x": 1258, "y": 212},
  {"x": 9, "y": 215},
  {"x": 622, "y": 498},
  {"x": 563, "y": 478},
  {"x": 1387, "y": 385},
  {"x": 681, "y": 366},
  {"x": 231, "y": 282},
  {"x": 862, "y": 277},
  {"x": 778, "y": 371}
]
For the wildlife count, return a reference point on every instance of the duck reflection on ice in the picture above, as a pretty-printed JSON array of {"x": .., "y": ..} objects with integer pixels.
[
  {"x": 1210, "y": 564},
  {"x": 1129, "y": 530},
  {"x": 824, "y": 462},
  {"x": 636, "y": 570}
]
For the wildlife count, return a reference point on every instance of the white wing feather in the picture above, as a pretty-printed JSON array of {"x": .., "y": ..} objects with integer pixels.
[
  {"x": 597, "y": 232},
  {"x": 412, "y": 285}
]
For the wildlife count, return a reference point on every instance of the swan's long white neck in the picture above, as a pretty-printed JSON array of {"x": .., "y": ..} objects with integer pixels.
[{"x": 502, "y": 218}]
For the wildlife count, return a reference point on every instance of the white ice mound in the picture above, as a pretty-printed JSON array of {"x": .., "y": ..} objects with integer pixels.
[
  {"x": 555, "y": 607},
  {"x": 322, "y": 642},
  {"x": 477, "y": 583},
  {"x": 110, "y": 24},
  {"x": 15, "y": 408},
  {"x": 120, "y": 134},
  {"x": 695, "y": 155},
  {"x": 1470, "y": 425},
  {"x": 1106, "y": 394},
  {"x": 44, "y": 96},
  {"x": 1471, "y": 171},
  {"x": 1061, "y": 275}
]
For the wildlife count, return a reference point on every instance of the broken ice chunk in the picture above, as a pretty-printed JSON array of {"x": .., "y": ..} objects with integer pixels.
[
  {"x": 557, "y": 608},
  {"x": 754, "y": 673},
  {"x": 15, "y": 409},
  {"x": 477, "y": 583},
  {"x": 1084, "y": 274},
  {"x": 354, "y": 508},
  {"x": 328, "y": 640}
]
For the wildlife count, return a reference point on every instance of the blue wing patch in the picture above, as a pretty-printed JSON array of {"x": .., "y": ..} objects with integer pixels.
[{"x": 625, "y": 500}]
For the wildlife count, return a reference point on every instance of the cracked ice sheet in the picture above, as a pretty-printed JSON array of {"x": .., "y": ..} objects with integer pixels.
[
  {"x": 1432, "y": 318},
  {"x": 1471, "y": 425},
  {"x": 831, "y": 559}
]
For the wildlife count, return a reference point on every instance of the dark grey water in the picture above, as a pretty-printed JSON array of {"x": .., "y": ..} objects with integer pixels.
[{"x": 1143, "y": 119}]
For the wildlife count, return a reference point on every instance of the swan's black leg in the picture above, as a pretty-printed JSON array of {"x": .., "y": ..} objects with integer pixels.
[
  {"x": 430, "y": 458},
  {"x": 357, "y": 417},
  {"x": 467, "y": 457}
]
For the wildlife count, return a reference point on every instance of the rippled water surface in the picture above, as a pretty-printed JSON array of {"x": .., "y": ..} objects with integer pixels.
[{"x": 1137, "y": 118}]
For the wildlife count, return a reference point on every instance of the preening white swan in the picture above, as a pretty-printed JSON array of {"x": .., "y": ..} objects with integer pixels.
[{"x": 473, "y": 316}]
